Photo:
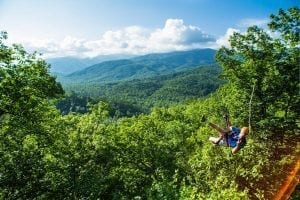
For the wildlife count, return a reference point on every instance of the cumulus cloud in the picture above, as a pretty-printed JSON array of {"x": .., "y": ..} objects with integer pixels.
[
  {"x": 178, "y": 36},
  {"x": 69, "y": 46},
  {"x": 130, "y": 40},
  {"x": 174, "y": 35},
  {"x": 224, "y": 40},
  {"x": 176, "y": 32}
]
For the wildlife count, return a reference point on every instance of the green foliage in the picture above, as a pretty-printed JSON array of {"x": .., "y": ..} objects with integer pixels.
[
  {"x": 287, "y": 23},
  {"x": 296, "y": 193},
  {"x": 164, "y": 154},
  {"x": 129, "y": 98},
  {"x": 25, "y": 86},
  {"x": 24, "y": 82},
  {"x": 73, "y": 103},
  {"x": 271, "y": 65}
]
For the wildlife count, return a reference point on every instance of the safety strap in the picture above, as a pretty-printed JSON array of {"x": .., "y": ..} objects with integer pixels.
[
  {"x": 226, "y": 125},
  {"x": 226, "y": 136}
]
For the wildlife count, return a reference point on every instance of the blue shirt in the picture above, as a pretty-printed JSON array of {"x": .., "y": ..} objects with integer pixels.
[{"x": 233, "y": 137}]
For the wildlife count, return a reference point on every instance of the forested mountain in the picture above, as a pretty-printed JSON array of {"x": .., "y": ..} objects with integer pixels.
[
  {"x": 141, "y": 67},
  {"x": 68, "y": 65},
  {"x": 140, "y": 95},
  {"x": 163, "y": 154}
]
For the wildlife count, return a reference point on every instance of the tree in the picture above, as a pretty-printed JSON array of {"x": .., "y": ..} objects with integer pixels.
[
  {"x": 271, "y": 64},
  {"x": 25, "y": 117},
  {"x": 288, "y": 58},
  {"x": 24, "y": 81}
]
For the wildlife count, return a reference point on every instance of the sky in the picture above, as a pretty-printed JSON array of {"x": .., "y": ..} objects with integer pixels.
[{"x": 88, "y": 28}]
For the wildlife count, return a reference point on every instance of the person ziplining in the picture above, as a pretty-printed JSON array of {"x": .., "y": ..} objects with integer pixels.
[{"x": 230, "y": 136}]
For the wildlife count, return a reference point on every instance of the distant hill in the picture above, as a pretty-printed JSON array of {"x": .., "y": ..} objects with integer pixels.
[
  {"x": 140, "y": 95},
  {"x": 68, "y": 65},
  {"x": 141, "y": 67}
]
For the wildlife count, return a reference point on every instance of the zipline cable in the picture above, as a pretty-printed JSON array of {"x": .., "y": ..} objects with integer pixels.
[{"x": 250, "y": 103}]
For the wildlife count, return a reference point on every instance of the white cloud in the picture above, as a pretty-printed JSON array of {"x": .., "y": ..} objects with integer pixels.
[
  {"x": 251, "y": 22},
  {"x": 175, "y": 35},
  {"x": 224, "y": 40},
  {"x": 69, "y": 46},
  {"x": 130, "y": 40}
]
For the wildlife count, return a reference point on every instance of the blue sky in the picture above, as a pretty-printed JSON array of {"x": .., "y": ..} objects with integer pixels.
[{"x": 94, "y": 27}]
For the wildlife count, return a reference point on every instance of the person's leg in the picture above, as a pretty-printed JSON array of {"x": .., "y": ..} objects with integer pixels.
[
  {"x": 218, "y": 141},
  {"x": 216, "y": 127},
  {"x": 214, "y": 140},
  {"x": 221, "y": 132}
]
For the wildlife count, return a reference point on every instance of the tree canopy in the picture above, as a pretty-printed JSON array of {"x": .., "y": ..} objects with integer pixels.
[
  {"x": 271, "y": 64},
  {"x": 164, "y": 154}
]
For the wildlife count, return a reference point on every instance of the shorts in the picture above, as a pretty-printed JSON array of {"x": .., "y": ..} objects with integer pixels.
[{"x": 222, "y": 142}]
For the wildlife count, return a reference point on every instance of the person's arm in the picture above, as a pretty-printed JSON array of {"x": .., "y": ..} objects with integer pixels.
[
  {"x": 239, "y": 144},
  {"x": 242, "y": 136},
  {"x": 237, "y": 147}
]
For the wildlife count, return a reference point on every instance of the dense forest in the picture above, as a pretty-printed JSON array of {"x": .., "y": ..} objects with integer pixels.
[
  {"x": 132, "y": 97},
  {"x": 136, "y": 85},
  {"x": 165, "y": 153}
]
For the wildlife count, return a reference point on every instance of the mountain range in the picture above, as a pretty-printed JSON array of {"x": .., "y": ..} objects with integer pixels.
[
  {"x": 140, "y": 67},
  {"x": 68, "y": 65}
]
